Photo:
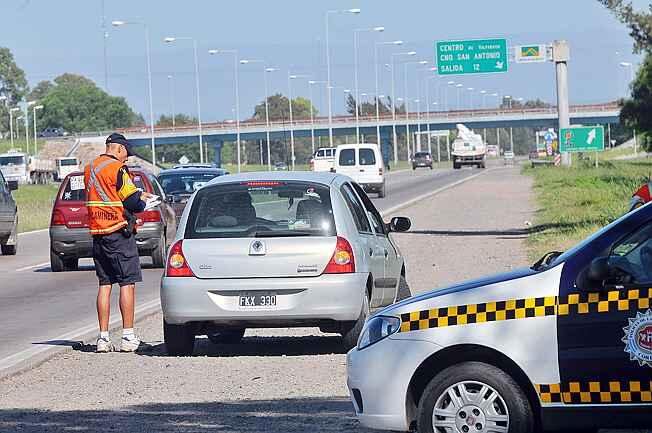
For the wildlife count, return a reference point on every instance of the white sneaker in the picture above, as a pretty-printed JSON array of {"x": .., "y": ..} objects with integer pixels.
[
  {"x": 104, "y": 345},
  {"x": 129, "y": 344}
]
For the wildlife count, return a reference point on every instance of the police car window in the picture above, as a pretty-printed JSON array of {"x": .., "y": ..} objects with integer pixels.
[
  {"x": 633, "y": 256},
  {"x": 356, "y": 208}
]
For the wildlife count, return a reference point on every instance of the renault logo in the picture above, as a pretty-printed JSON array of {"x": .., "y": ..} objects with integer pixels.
[{"x": 257, "y": 248}]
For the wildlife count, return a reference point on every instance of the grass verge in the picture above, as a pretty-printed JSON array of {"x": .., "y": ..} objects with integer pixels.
[
  {"x": 573, "y": 203},
  {"x": 34, "y": 206}
]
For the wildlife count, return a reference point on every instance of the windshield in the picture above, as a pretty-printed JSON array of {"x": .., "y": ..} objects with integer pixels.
[
  {"x": 12, "y": 160},
  {"x": 261, "y": 209},
  {"x": 184, "y": 183},
  {"x": 67, "y": 162}
]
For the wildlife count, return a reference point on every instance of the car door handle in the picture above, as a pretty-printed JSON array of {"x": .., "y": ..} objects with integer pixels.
[
  {"x": 371, "y": 252},
  {"x": 386, "y": 253}
]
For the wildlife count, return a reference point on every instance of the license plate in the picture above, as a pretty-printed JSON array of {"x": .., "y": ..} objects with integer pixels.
[{"x": 257, "y": 300}]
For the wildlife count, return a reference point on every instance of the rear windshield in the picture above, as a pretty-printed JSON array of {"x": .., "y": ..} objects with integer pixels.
[
  {"x": 67, "y": 162},
  {"x": 421, "y": 154},
  {"x": 74, "y": 188},
  {"x": 184, "y": 183},
  {"x": 367, "y": 157},
  {"x": 261, "y": 209},
  {"x": 347, "y": 157}
]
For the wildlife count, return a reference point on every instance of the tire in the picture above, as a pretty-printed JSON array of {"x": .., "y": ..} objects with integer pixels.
[
  {"x": 159, "y": 253},
  {"x": 352, "y": 333},
  {"x": 179, "y": 339},
  {"x": 403, "y": 289},
  {"x": 510, "y": 401},
  {"x": 414, "y": 167},
  {"x": 430, "y": 167},
  {"x": 456, "y": 166},
  {"x": 381, "y": 191},
  {"x": 8, "y": 250},
  {"x": 231, "y": 336},
  {"x": 71, "y": 264},
  {"x": 56, "y": 263}
]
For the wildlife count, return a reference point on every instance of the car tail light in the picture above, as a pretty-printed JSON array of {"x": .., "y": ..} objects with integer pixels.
[
  {"x": 58, "y": 219},
  {"x": 342, "y": 261},
  {"x": 177, "y": 265},
  {"x": 150, "y": 216},
  {"x": 380, "y": 171}
]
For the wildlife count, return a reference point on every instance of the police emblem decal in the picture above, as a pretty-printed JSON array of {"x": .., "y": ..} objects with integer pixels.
[
  {"x": 638, "y": 338},
  {"x": 257, "y": 248}
]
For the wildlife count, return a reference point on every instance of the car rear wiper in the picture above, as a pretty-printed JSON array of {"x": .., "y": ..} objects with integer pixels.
[
  {"x": 279, "y": 234},
  {"x": 546, "y": 259}
]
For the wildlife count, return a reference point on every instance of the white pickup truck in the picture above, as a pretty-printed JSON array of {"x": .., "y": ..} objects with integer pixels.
[
  {"x": 468, "y": 148},
  {"x": 323, "y": 160}
]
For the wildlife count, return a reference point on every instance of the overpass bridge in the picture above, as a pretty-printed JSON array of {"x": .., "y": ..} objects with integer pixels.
[{"x": 215, "y": 134}]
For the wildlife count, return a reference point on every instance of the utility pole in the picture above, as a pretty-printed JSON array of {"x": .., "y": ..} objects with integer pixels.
[
  {"x": 105, "y": 36},
  {"x": 561, "y": 55}
]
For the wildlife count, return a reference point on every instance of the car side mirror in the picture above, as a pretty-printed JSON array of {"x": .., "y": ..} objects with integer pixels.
[
  {"x": 400, "y": 224},
  {"x": 599, "y": 269},
  {"x": 12, "y": 185}
]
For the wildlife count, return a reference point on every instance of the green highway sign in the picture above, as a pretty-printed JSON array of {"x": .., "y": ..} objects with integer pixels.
[
  {"x": 483, "y": 56},
  {"x": 582, "y": 139}
]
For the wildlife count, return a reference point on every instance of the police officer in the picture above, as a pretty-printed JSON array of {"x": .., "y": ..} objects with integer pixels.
[{"x": 112, "y": 199}]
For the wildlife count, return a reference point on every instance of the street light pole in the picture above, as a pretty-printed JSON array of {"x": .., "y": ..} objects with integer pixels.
[
  {"x": 376, "y": 45},
  {"x": 236, "y": 67},
  {"x": 328, "y": 68},
  {"x": 312, "y": 113},
  {"x": 149, "y": 80},
  {"x": 196, "y": 58},
  {"x": 34, "y": 108},
  {"x": 11, "y": 123},
  {"x": 393, "y": 67},
  {"x": 29, "y": 104},
  {"x": 171, "y": 89},
  {"x": 355, "y": 70}
]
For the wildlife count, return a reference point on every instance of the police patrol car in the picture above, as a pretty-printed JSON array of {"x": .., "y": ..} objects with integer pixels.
[{"x": 563, "y": 345}]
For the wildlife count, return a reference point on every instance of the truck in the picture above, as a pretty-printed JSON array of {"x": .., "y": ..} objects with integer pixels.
[
  {"x": 65, "y": 166},
  {"x": 468, "y": 149},
  {"x": 23, "y": 168},
  {"x": 323, "y": 159}
]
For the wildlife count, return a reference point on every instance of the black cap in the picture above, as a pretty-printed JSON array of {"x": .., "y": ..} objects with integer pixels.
[{"x": 120, "y": 139}]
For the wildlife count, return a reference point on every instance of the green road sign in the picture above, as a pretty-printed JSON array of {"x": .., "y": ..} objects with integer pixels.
[
  {"x": 582, "y": 139},
  {"x": 483, "y": 56}
]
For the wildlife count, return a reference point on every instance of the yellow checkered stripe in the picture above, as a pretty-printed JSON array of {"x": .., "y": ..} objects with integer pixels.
[
  {"x": 603, "y": 302},
  {"x": 479, "y": 313},
  {"x": 576, "y": 303},
  {"x": 613, "y": 392}
]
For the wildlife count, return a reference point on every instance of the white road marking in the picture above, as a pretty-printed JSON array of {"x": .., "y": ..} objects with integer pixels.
[
  {"x": 415, "y": 200},
  {"x": 33, "y": 232},
  {"x": 17, "y": 358},
  {"x": 27, "y": 268}
]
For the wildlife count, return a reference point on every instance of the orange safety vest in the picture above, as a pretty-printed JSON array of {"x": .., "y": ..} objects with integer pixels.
[{"x": 104, "y": 201}]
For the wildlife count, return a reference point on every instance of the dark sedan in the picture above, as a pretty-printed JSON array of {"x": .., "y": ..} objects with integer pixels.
[
  {"x": 422, "y": 159},
  {"x": 181, "y": 181},
  {"x": 8, "y": 217}
]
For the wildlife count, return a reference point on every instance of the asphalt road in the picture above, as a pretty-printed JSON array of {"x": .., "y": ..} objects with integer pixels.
[{"x": 37, "y": 306}]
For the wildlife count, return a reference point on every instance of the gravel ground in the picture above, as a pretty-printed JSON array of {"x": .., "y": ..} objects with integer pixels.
[{"x": 277, "y": 380}]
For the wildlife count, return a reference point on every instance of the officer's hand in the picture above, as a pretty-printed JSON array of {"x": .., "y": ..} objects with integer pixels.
[{"x": 145, "y": 196}]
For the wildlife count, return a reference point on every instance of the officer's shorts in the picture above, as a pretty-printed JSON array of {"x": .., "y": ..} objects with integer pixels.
[{"x": 116, "y": 259}]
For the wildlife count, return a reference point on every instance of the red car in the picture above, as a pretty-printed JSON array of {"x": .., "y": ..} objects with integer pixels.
[{"x": 70, "y": 239}]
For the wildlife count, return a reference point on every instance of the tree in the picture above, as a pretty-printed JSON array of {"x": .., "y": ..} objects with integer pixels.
[
  {"x": 13, "y": 84},
  {"x": 180, "y": 119},
  {"x": 639, "y": 23},
  {"x": 39, "y": 92},
  {"x": 76, "y": 104}
]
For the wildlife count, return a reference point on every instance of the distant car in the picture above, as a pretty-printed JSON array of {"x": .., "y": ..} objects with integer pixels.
[
  {"x": 258, "y": 250},
  {"x": 180, "y": 182},
  {"x": 52, "y": 132},
  {"x": 280, "y": 166},
  {"x": 70, "y": 239},
  {"x": 8, "y": 217},
  {"x": 364, "y": 164},
  {"x": 422, "y": 159}
]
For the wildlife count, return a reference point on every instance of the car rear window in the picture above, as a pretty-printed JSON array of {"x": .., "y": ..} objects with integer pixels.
[
  {"x": 367, "y": 157},
  {"x": 74, "y": 189},
  {"x": 421, "y": 154},
  {"x": 67, "y": 162},
  {"x": 184, "y": 183},
  {"x": 347, "y": 157},
  {"x": 261, "y": 209}
]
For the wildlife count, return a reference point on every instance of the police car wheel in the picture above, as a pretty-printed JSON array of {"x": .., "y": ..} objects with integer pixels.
[
  {"x": 179, "y": 339},
  {"x": 474, "y": 397}
]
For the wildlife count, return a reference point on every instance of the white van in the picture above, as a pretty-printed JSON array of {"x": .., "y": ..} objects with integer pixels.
[
  {"x": 364, "y": 164},
  {"x": 323, "y": 159}
]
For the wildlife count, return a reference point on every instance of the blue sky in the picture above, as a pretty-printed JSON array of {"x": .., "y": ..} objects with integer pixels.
[{"x": 52, "y": 37}]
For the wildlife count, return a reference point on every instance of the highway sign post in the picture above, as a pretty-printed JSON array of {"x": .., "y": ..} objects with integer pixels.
[
  {"x": 582, "y": 139},
  {"x": 482, "y": 56}
]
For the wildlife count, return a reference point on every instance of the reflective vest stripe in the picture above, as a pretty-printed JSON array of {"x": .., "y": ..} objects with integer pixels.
[
  {"x": 104, "y": 203},
  {"x": 93, "y": 180}
]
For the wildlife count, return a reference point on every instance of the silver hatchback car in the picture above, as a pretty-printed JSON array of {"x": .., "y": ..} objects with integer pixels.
[{"x": 268, "y": 250}]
